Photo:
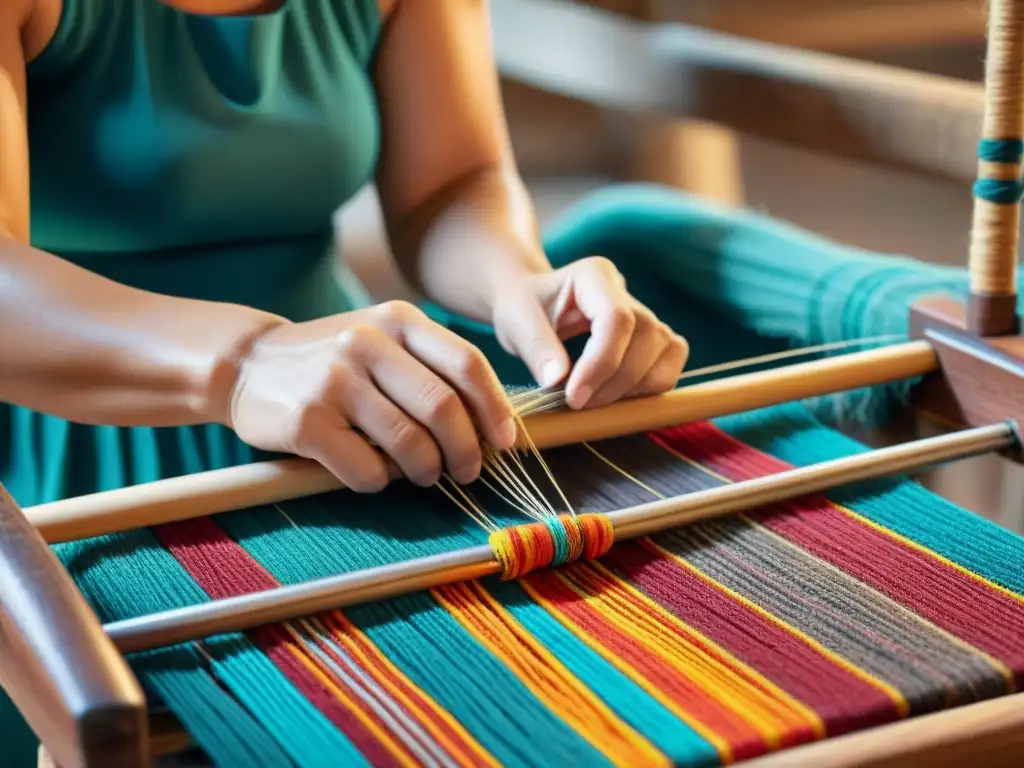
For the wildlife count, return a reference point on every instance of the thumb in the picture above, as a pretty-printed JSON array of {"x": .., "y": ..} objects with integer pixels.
[{"x": 524, "y": 330}]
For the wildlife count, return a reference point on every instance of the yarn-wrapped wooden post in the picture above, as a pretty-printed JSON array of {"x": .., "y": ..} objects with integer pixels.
[{"x": 995, "y": 233}]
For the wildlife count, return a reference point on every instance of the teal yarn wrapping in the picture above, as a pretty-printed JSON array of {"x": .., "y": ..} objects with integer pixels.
[
  {"x": 1002, "y": 191},
  {"x": 999, "y": 190},
  {"x": 1001, "y": 150},
  {"x": 560, "y": 538}
]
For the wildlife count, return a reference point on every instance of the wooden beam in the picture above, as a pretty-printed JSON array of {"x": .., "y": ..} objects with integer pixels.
[{"x": 857, "y": 110}]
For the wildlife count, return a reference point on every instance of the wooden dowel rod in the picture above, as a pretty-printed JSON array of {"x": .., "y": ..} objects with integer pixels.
[
  {"x": 388, "y": 581},
  {"x": 995, "y": 228},
  {"x": 989, "y": 734},
  {"x": 251, "y": 485}
]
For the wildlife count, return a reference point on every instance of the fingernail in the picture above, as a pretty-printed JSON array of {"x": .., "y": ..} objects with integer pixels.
[
  {"x": 552, "y": 373},
  {"x": 506, "y": 434},
  {"x": 583, "y": 395}
]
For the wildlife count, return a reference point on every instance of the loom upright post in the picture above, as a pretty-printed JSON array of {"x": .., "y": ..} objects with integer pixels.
[{"x": 995, "y": 232}]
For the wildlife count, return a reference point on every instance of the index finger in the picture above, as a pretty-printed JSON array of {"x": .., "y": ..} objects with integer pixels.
[{"x": 609, "y": 309}]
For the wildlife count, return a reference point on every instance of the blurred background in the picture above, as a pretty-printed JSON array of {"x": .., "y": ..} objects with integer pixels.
[{"x": 566, "y": 148}]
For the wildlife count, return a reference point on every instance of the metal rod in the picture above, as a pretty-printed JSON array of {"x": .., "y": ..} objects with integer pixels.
[{"x": 285, "y": 603}]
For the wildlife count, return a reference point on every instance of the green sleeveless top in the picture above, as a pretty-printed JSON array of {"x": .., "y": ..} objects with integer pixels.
[{"x": 193, "y": 156}]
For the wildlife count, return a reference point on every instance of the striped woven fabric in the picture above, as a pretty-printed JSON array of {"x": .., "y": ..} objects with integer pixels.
[{"x": 703, "y": 646}]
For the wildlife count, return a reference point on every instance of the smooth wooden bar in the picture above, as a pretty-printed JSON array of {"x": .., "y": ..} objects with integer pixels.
[
  {"x": 988, "y": 734},
  {"x": 853, "y": 109},
  {"x": 56, "y": 664},
  {"x": 384, "y": 582},
  {"x": 252, "y": 485}
]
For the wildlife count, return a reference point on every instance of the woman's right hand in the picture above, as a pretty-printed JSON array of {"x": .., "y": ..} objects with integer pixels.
[{"x": 325, "y": 389}]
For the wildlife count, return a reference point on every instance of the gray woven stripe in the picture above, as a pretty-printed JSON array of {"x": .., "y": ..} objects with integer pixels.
[{"x": 846, "y": 616}]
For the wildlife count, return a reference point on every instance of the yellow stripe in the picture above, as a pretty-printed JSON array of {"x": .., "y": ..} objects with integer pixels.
[
  {"x": 374, "y": 666},
  {"x": 933, "y": 554},
  {"x": 1005, "y": 671},
  {"x": 491, "y": 625},
  {"x": 866, "y": 521},
  {"x": 315, "y": 666},
  {"x": 720, "y": 745},
  {"x": 770, "y": 710},
  {"x": 893, "y": 693}
]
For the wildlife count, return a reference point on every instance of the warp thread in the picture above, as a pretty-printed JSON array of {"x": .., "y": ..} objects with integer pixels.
[
  {"x": 555, "y": 541},
  {"x": 995, "y": 190}
]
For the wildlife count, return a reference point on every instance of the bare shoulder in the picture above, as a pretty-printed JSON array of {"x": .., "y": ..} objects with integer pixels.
[{"x": 37, "y": 21}]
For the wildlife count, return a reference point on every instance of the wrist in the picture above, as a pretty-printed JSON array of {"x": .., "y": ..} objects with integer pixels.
[
  {"x": 506, "y": 280},
  {"x": 220, "y": 376}
]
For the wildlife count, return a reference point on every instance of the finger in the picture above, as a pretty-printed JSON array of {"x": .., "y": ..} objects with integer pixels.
[
  {"x": 610, "y": 309},
  {"x": 468, "y": 372},
  {"x": 665, "y": 373},
  {"x": 648, "y": 343},
  {"x": 527, "y": 332},
  {"x": 425, "y": 396},
  {"x": 345, "y": 454},
  {"x": 399, "y": 435}
]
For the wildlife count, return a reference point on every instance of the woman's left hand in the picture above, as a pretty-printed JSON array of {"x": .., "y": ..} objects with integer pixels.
[{"x": 630, "y": 352}]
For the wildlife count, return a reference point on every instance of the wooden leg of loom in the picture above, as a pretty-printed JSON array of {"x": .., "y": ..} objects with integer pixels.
[{"x": 977, "y": 377}]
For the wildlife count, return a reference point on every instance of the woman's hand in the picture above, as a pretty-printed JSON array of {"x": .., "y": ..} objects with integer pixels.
[
  {"x": 325, "y": 389},
  {"x": 630, "y": 352}
]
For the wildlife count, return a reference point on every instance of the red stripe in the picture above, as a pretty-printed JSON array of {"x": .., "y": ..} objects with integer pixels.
[
  {"x": 981, "y": 616},
  {"x": 742, "y": 738},
  {"x": 844, "y": 701},
  {"x": 222, "y": 569}
]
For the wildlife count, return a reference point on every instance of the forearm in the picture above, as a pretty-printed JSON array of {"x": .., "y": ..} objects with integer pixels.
[
  {"x": 469, "y": 240},
  {"x": 79, "y": 346}
]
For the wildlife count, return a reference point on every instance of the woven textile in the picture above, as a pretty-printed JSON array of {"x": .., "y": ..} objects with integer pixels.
[
  {"x": 701, "y": 646},
  {"x": 707, "y": 644}
]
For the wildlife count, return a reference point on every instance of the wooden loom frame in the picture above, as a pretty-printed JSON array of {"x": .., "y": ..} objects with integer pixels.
[{"x": 67, "y": 673}]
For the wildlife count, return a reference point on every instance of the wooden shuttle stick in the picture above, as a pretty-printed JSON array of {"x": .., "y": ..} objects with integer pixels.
[
  {"x": 389, "y": 581},
  {"x": 252, "y": 485}
]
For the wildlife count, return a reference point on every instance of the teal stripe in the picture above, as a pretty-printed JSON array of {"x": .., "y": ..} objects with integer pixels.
[
  {"x": 131, "y": 575},
  {"x": 791, "y": 434},
  {"x": 418, "y": 636},
  {"x": 635, "y": 706}
]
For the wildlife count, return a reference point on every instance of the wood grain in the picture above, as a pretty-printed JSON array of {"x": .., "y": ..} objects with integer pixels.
[
  {"x": 980, "y": 380},
  {"x": 56, "y": 664},
  {"x": 989, "y": 734},
  {"x": 233, "y": 488}
]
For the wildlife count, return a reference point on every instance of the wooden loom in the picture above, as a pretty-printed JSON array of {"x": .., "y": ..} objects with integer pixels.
[{"x": 68, "y": 675}]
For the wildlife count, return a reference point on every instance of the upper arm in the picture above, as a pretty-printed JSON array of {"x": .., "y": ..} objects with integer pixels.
[
  {"x": 14, "y": 207},
  {"x": 25, "y": 28},
  {"x": 440, "y": 102}
]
